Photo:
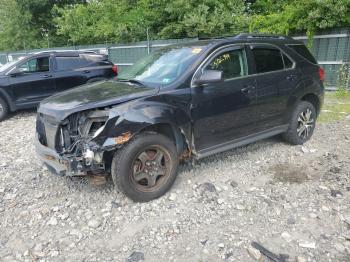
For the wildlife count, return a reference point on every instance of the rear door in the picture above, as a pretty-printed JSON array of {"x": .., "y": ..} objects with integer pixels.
[
  {"x": 32, "y": 80},
  {"x": 68, "y": 73},
  {"x": 276, "y": 78},
  {"x": 224, "y": 111}
]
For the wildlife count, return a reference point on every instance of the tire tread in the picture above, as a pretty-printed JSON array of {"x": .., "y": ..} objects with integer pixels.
[{"x": 117, "y": 162}]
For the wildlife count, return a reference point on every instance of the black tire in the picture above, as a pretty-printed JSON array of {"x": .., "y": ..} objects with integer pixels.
[
  {"x": 4, "y": 109},
  {"x": 127, "y": 163},
  {"x": 295, "y": 134}
]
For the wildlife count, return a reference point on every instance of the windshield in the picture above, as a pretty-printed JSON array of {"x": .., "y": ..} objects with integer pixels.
[
  {"x": 10, "y": 64},
  {"x": 161, "y": 67}
]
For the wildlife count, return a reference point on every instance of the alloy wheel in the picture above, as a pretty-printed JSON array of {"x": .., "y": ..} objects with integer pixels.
[{"x": 305, "y": 123}]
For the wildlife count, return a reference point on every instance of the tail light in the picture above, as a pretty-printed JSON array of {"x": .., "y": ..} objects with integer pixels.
[
  {"x": 115, "y": 69},
  {"x": 321, "y": 73}
]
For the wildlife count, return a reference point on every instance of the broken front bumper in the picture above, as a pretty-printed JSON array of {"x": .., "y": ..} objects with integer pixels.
[{"x": 56, "y": 163}]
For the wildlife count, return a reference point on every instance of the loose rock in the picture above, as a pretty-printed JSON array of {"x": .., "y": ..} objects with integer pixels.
[
  {"x": 254, "y": 253},
  {"x": 94, "y": 223},
  {"x": 136, "y": 256}
]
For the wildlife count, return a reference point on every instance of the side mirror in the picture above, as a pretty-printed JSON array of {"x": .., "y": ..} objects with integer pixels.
[{"x": 209, "y": 76}]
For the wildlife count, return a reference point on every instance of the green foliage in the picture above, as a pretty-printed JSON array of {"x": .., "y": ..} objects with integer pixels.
[
  {"x": 288, "y": 16},
  {"x": 343, "y": 80},
  {"x": 39, "y": 23},
  {"x": 28, "y": 24},
  {"x": 102, "y": 20},
  {"x": 128, "y": 20},
  {"x": 336, "y": 106},
  {"x": 14, "y": 29}
]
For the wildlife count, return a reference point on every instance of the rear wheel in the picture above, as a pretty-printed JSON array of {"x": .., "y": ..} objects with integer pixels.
[
  {"x": 302, "y": 124},
  {"x": 3, "y": 109},
  {"x": 145, "y": 168}
]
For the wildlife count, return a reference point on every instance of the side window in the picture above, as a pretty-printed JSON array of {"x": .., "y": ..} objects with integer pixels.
[
  {"x": 267, "y": 60},
  {"x": 304, "y": 52},
  {"x": 232, "y": 63},
  {"x": 287, "y": 62},
  {"x": 68, "y": 63},
  {"x": 41, "y": 64}
]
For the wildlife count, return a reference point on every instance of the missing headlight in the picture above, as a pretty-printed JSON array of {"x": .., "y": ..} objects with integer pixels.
[
  {"x": 91, "y": 122},
  {"x": 98, "y": 131},
  {"x": 96, "y": 128}
]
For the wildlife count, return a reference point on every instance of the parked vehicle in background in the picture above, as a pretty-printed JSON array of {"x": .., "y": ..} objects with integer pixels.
[
  {"x": 30, "y": 79},
  {"x": 185, "y": 101}
]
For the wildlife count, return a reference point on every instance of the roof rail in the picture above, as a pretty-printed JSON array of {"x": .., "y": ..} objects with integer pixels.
[
  {"x": 64, "y": 51},
  {"x": 262, "y": 36},
  {"x": 212, "y": 37}
]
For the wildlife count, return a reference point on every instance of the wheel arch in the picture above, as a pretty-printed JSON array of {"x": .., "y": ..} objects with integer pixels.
[
  {"x": 8, "y": 100},
  {"x": 314, "y": 100},
  {"x": 152, "y": 117},
  {"x": 174, "y": 133}
]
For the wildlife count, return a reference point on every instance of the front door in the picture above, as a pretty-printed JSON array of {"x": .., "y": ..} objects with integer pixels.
[
  {"x": 224, "y": 111},
  {"x": 32, "y": 80}
]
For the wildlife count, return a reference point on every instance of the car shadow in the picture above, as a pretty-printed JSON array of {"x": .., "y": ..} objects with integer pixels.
[
  {"x": 250, "y": 148},
  {"x": 20, "y": 113}
]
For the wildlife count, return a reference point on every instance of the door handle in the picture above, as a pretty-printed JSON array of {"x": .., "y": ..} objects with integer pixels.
[
  {"x": 86, "y": 71},
  {"x": 248, "y": 89},
  {"x": 47, "y": 76}
]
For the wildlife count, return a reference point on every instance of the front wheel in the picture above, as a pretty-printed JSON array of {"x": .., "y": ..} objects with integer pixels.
[
  {"x": 145, "y": 168},
  {"x": 301, "y": 124}
]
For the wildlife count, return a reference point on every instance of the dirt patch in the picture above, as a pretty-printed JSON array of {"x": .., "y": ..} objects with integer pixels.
[{"x": 291, "y": 173}]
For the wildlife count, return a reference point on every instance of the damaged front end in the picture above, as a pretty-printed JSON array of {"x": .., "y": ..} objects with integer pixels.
[{"x": 79, "y": 144}]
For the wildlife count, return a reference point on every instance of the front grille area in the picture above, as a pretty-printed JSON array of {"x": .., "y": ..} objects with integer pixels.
[
  {"x": 46, "y": 128},
  {"x": 40, "y": 130}
]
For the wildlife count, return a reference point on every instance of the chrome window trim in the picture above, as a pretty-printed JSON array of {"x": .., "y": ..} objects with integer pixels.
[
  {"x": 28, "y": 59},
  {"x": 223, "y": 51},
  {"x": 251, "y": 75}
]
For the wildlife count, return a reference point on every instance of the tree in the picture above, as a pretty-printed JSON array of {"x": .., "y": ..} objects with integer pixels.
[
  {"x": 28, "y": 24},
  {"x": 39, "y": 23},
  {"x": 15, "y": 32},
  {"x": 129, "y": 20},
  {"x": 285, "y": 17}
]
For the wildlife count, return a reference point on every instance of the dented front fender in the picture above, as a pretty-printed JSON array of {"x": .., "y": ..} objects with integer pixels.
[{"x": 127, "y": 120}]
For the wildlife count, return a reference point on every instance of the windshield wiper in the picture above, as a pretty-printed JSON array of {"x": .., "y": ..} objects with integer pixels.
[{"x": 133, "y": 81}]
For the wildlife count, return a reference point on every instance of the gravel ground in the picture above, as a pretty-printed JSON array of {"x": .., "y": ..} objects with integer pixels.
[{"x": 291, "y": 200}]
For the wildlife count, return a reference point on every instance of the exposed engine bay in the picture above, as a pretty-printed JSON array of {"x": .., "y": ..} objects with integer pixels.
[{"x": 77, "y": 141}]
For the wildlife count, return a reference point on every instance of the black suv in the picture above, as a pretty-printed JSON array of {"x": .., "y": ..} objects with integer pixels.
[
  {"x": 28, "y": 80},
  {"x": 185, "y": 101}
]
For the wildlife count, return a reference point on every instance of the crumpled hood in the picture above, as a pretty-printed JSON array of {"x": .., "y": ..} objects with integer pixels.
[{"x": 89, "y": 96}]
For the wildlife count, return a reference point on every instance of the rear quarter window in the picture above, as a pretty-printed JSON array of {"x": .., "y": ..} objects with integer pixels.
[
  {"x": 95, "y": 60},
  {"x": 68, "y": 63},
  {"x": 304, "y": 52}
]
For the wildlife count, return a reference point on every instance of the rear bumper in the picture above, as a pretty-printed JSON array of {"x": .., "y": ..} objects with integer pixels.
[{"x": 51, "y": 159}]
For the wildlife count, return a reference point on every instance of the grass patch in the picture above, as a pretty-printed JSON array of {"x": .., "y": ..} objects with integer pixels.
[{"x": 336, "y": 106}]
